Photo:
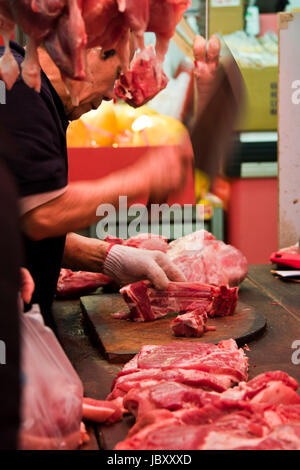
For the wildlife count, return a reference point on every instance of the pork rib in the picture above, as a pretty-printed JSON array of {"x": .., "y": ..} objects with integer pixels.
[{"x": 148, "y": 304}]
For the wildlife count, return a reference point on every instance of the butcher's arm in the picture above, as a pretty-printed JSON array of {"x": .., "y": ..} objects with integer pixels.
[
  {"x": 83, "y": 253},
  {"x": 122, "y": 263},
  {"x": 153, "y": 176},
  {"x": 76, "y": 208}
]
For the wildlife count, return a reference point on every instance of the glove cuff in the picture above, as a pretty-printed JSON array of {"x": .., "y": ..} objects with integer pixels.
[{"x": 112, "y": 264}]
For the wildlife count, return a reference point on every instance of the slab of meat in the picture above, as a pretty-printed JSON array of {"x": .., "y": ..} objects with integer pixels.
[
  {"x": 222, "y": 425},
  {"x": 136, "y": 13},
  {"x": 147, "y": 303},
  {"x": 272, "y": 387},
  {"x": 224, "y": 358},
  {"x": 72, "y": 284},
  {"x": 166, "y": 395},
  {"x": 200, "y": 365},
  {"x": 68, "y": 27},
  {"x": 143, "y": 80},
  {"x": 56, "y": 23},
  {"x": 102, "y": 411},
  {"x": 144, "y": 378},
  {"x": 164, "y": 16},
  {"x": 147, "y": 241},
  {"x": 191, "y": 324},
  {"x": 202, "y": 258}
]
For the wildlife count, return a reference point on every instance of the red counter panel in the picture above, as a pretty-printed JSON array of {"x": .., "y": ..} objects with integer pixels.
[{"x": 94, "y": 163}]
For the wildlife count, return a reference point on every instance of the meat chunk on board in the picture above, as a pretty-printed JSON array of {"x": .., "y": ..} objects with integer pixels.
[
  {"x": 147, "y": 303},
  {"x": 191, "y": 324}
]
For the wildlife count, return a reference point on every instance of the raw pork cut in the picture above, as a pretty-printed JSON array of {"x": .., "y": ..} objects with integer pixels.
[
  {"x": 202, "y": 258},
  {"x": 147, "y": 241},
  {"x": 272, "y": 387},
  {"x": 102, "y": 411},
  {"x": 67, "y": 28},
  {"x": 144, "y": 378},
  {"x": 143, "y": 80},
  {"x": 224, "y": 358},
  {"x": 201, "y": 365},
  {"x": 147, "y": 303},
  {"x": 191, "y": 324},
  {"x": 224, "y": 425},
  {"x": 72, "y": 284},
  {"x": 56, "y": 23},
  {"x": 164, "y": 16}
]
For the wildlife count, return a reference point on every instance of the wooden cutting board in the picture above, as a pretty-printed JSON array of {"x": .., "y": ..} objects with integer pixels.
[{"x": 120, "y": 340}]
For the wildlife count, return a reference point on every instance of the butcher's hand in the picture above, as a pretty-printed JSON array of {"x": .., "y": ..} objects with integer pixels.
[
  {"x": 165, "y": 171},
  {"x": 27, "y": 285},
  {"x": 126, "y": 265},
  {"x": 206, "y": 67}
]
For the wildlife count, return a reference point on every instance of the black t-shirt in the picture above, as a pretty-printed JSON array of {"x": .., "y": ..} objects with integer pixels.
[
  {"x": 9, "y": 316},
  {"x": 37, "y": 124}
]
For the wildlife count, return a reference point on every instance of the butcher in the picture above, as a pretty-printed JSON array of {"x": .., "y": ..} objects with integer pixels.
[{"x": 52, "y": 209}]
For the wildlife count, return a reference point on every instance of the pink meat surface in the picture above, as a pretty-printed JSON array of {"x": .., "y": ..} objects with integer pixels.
[
  {"x": 224, "y": 358},
  {"x": 146, "y": 241},
  {"x": 102, "y": 411},
  {"x": 191, "y": 324},
  {"x": 67, "y": 28},
  {"x": 147, "y": 303},
  {"x": 273, "y": 388},
  {"x": 202, "y": 258},
  {"x": 143, "y": 80},
  {"x": 72, "y": 284},
  {"x": 200, "y": 365},
  {"x": 144, "y": 378},
  {"x": 219, "y": 425},
  {"x": 164, "y": 16}
]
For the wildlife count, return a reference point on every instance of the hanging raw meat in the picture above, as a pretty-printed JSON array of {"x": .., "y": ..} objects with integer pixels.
[
  {"x": 143, "y": 80},
  {"x": 67, "y": 28},
  {"x": 164, "y": 16},
  {"x": 56, "y": 23}
]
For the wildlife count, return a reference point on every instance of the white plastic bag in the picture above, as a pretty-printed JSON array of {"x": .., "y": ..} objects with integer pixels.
[{"x": 52, "y": 392}]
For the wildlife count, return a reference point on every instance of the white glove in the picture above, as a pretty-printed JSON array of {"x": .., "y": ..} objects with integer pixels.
[{"x": 126, "y": 265}]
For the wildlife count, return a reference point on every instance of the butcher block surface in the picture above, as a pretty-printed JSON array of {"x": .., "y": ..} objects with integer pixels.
[{"x": 119, "y": 340}]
